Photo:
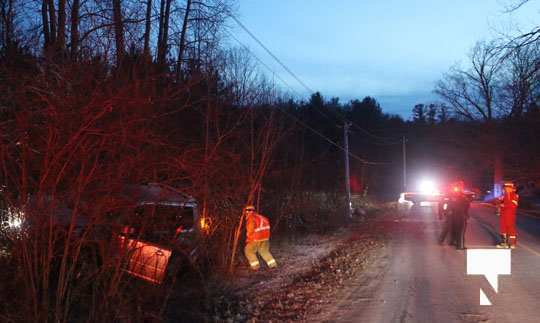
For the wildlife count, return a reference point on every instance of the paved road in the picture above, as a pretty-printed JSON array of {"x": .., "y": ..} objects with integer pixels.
[{"x": 414, "y": 279}]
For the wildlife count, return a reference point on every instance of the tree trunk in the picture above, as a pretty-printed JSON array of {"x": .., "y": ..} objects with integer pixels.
[
  {"x": 74, "y": 29},
  {"x": 181, "y": 47},
  {"x": 61, "y": 26},
  {"x": 45, "y": 22},
  {"x": 147, "y": 29},
  {"x": 52, "y": 22},
  {"x": 2, "y": 24},
  {"x": 162, "y": 50},
  {"x": 160, "y": 32},
  {"x": 118, "y": 31},
  {"x": 9, "y": 28},
  {"x": 6, "y": 25}
]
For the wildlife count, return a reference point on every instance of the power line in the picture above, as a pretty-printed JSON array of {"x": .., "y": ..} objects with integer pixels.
[
  {"x": 300, "y": 121},
  {"x": 271, "y": 70},
  {"x": 262, "y": 63},
  {"x": 270, "y": 53},
  {"x": 342, "y": 119},
  {"x": 394, "y": 141},
  {"x": 276, "y": 59}
]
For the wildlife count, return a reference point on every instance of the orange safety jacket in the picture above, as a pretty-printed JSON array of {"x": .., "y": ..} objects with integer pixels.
[
  {"x": 509, "y": 201},
  {"x": 258, "y": 228}
]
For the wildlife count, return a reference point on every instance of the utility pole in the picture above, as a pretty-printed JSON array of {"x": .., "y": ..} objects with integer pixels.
[
  {"x": 347, "y": 172},
  {"x": 404, "y": 165}
]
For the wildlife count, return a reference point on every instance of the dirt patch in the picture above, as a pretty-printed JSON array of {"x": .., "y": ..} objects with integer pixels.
[{"x": 313, "y": 270}]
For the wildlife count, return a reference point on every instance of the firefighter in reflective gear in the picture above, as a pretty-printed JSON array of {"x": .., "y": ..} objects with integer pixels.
[
  {"x": 508, "y": 203},
  {"x": 257, "y": 239}
]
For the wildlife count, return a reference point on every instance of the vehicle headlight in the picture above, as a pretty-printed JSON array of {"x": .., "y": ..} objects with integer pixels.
[{"x": 428, "y": 186}]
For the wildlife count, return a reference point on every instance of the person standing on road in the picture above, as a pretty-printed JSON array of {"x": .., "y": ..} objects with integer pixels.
[
  {"x": 445, "y": 216},
  {"x": 456, "y": 215},
  {"x": 257, "y": 239},
  {"x": 508, "y": 205},
  {"x": 459, "y": 206}
]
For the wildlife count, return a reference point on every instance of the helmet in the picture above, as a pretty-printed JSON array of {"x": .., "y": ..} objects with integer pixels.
[{"x": 249, "y": 207}]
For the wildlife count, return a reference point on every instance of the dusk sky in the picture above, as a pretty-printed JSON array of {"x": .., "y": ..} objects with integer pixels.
[{"x": 393, "y": 50}]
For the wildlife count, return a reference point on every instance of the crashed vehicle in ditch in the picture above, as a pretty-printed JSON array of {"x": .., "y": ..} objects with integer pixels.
[
  {"x": 159, "y": 228},
  {"x": 151, "y": 229}
]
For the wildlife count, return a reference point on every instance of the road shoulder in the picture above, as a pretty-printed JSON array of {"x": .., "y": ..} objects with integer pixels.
[{"x": 314, "y": 273}]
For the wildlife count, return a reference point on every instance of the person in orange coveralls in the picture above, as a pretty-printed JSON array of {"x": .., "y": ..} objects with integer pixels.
[
  {"x": 257, "y": 239},
  {"x": 508, "y": 204}
]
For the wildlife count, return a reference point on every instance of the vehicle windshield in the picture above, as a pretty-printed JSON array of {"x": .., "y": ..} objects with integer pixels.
[{"x": 161, "y": 223}]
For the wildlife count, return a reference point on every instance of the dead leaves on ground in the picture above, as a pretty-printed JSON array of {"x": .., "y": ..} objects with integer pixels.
[{"x": 306, "y": 293}]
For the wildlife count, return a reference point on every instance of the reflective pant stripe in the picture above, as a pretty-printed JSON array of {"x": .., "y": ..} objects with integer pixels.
[
  {"x": 262, "y": 228},
  {"x": 262, "y": 248},
  {"x": 254, "y": 264},
  {"x": 512, "y": 241}
]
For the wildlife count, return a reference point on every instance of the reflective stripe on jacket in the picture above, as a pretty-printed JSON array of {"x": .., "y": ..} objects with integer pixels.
[{"x": 257, "y": 228}]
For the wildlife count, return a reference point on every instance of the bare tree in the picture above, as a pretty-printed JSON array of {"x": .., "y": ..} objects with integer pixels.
[
  {"x": 61, "y": 26},
  {"x": 163, "y": 37},
  {"x": 182, "y": 41},
  {"x": 240, "y": 75},
  {"x": 515, "y": 5},
  {"x": 525, "y": 39},
  {"x": 7, "y": 24},
  {"x": 201, "y": 41},
  {"x": 521, "y": 69},
  {"x": 118, "y": 21},
  {"x": 471, "y": 92},
  {"x": 52, "y": 20},
  {"x": 75, "y": 7},
  {"x": 147, "y": 28},
  {"x": 45, "y": 24}
]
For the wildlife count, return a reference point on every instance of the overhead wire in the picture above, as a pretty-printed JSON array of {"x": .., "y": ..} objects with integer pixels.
[
  {"x": 297, "y": 78},
  {"x": 392, "y": 141},
  {"x": 274, "y": 73},
  {"x": 270, "y": 52},
  {"x": 364, "y": 161}
]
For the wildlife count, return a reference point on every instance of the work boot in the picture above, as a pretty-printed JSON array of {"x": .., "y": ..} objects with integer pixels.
[
  {"x": 504, "y": 242},
  {"x": 512, "y": 242}
]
